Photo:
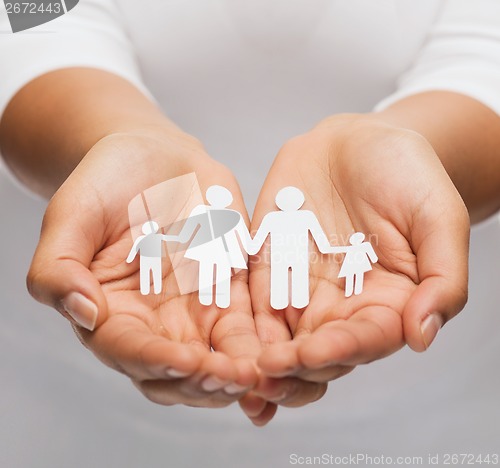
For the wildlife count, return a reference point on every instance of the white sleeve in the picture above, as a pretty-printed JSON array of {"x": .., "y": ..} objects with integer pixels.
[
  {"x": 90, "y": 35},
  {"x": 461, "y": 54}
]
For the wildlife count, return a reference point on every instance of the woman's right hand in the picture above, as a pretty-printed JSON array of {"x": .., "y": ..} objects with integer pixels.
[{"x": 162, "y": 342}]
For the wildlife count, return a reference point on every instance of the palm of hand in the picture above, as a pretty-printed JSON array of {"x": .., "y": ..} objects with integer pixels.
[
  {"x": 360, "y": 184},
  {"x": 159, "y": 338},
  {"x": 381, "y": 183},
  {"x": 163, "y": 342}
]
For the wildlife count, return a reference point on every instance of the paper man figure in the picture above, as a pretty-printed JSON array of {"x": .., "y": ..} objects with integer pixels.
[
  {"x": 289, "y": 230},
  {"x": 149, "y": 248},
  {"x": 356, "y": 262},
  {"x": 215, "y": 244}
]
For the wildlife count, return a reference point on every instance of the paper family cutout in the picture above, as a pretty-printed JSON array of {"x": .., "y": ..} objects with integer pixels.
[{"x": 219, "y": 241}]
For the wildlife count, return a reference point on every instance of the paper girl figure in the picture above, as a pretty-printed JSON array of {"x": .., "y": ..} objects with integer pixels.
[{"x": 356, "y": 263}]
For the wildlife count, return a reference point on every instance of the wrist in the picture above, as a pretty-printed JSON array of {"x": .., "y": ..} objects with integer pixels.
[
  {"x": 159, "y": 148},
  {"x": 53, "y": 122},
  {"x": 354, "y": 139}
]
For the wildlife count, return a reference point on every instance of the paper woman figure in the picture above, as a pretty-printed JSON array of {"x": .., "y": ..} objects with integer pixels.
[{"x": 215, "y": 244}]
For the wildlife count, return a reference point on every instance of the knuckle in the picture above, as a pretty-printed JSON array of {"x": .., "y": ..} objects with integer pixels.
[{"x": 456, "y": 300}]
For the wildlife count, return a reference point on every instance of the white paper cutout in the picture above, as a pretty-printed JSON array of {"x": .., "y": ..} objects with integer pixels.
[
  {"x": 289, "y": 230},
  {"x": 218, "y": 239},
  {"x": 356, "y": 263},
  {"x": 215, "y": 245},
  {"x": 169, "y": 204},
  {"x": 149, "y": 247}
]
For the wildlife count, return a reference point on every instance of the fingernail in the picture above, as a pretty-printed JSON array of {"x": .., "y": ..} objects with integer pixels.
[
  {"x": 430, "y": 327},
  {"x": 288, "y": 393},
  {"x": 281, "y": 397},
  {"x": 233, "y": 389},
  {"x": 177, "y": 374},
  {"x": 82, "y": 310},
  {"x": 211, "y": 384}
]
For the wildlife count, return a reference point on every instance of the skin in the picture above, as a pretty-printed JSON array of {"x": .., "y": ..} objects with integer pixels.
[
  {"x": 415, "y": 165},
  {"x": 68, "y": 133},
  {"x": 335, "y": 333}
]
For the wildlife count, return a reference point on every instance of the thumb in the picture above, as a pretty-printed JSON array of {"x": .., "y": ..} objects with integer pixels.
[
  {"x": 59, "y": 275},
  {"x": 442, "y": 249}
]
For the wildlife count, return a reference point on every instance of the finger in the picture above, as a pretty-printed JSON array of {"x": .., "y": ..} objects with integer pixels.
[
  {"x": 280, "y": 359},
  {"x": 289, "y": 391},
  {"x": 273, "y": 326},
  {"x": 59, "y": 275},
  {"x": 259, "y": 411},
  {"x": 252, "y": 405},
  {"x": 266, "y": 415},
  {"x": 441, "y": 245},
  {"x": 182, "y": 392},
  {"x": 372, "y": 333},
  {"x": 234, "y": 334},
  {"x": 125, "y": 344},
  {"x": 324, "y": 375},
  {"x": 217, "y": 372},
  {"x": 205, "y": 388}
]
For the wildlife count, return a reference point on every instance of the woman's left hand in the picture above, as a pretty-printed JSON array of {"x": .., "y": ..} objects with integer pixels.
[{"x": 359, "y": 174}]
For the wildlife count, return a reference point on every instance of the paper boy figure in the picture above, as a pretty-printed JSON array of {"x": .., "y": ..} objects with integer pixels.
[{"x": 149, "y": 248}]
